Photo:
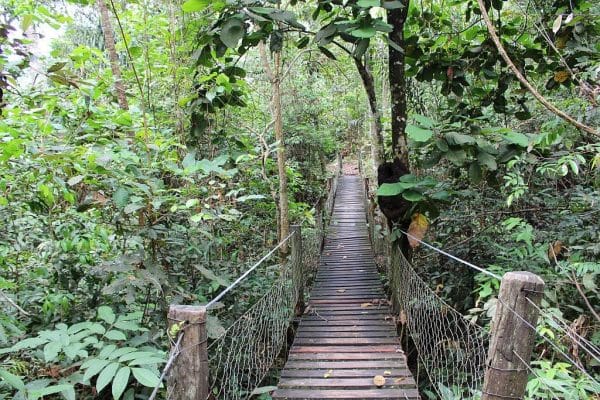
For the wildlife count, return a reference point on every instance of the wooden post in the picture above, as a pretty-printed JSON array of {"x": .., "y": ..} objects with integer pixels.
[
  {"x": 298, "y": 273},
  {"x": 360, "y": 166},
  {"x": 188, "y": 379},
  {"x": 339, "y": 160},
  {"x": 512, "y": 338}
]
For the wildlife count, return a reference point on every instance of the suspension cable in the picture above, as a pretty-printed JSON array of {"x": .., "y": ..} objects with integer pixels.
[
  {"x": 460, "y": 260},
  {"x": 248, "y": 272},
  {"x": 555, "y": 346},
  {"x": 585, "y": 344}
]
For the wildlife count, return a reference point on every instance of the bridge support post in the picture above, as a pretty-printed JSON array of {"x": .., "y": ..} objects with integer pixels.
[
  {"x": 360, "y": 166},
  {"x": 188, "y": 379},
  {"x": 339, "y": 161},
  {"x": 512, "y": 336},
  {"x": 298, "y": 273}
]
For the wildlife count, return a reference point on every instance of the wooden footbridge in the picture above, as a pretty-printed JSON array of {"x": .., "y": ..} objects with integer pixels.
[{"x": 346, "y": 346}]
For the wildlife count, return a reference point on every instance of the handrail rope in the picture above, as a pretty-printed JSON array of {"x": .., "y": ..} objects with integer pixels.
[
  {"x": 460, "y": 260},
  {"x": 531, "y": 370},
  {"x": 585, "y": 344},
  {"x": 248, "y": 272},
  {"x": 175, "y": 351},
  {"x": 565, "y": 355}
]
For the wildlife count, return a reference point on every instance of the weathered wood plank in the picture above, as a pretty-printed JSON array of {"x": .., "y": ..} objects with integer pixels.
[{"x": 346, "y": 336}]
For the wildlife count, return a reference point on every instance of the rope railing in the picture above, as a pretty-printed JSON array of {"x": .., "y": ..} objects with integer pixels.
[
  {"x": 460, "y": 358},
  {"x": 233, "y": 365}
]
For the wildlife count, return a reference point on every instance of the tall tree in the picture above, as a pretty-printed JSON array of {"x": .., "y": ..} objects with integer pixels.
[
  {"x": 274, "y": 74},
  {"x": 397, "y": 18},
  {"x": 109, "y": 43},
  {"x": 376, "y": 126}
]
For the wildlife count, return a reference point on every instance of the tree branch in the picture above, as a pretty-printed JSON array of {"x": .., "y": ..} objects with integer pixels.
[{"x": 552, "y": 108}]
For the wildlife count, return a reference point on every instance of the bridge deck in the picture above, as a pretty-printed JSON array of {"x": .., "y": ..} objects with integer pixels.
[{"x": 346, "y": 336}]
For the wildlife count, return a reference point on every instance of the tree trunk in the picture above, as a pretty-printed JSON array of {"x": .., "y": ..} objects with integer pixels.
[
  {"x": 275, "y": 74},
  {"x": 109, "y": 43},
  {"x": 397, "y": 18},
  {"x": 376, "y": 125}
]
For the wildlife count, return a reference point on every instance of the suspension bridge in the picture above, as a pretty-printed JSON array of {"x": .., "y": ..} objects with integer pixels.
[{"x": 344, "y": 335}]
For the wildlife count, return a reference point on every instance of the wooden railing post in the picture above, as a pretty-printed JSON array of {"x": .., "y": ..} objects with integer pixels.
[
  {"x": 360, "y": 166},
  {"x": 512, "y": 337},
  {"x": 339, "y": 161},
  {"x": 188, "y": 379},
  {"x": 299, "y": 275}
]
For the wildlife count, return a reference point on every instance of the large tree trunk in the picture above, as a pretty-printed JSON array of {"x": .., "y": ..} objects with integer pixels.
[
  {"x": 109, "y": 43},
  {"x": 376, "y": 126},
  {"x": 397, "y": 18},
  {"x": 275, "y": 75}
]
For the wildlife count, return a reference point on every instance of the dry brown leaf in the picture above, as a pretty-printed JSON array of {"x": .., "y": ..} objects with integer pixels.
[
  {"x": 341, "y": 290},
  {"x": 379, "y": 380},
  {"x": 418, "y": 228},
  {"x": 387, "y": 372},
  {"x": 403, "y": 318},
  {"x": 398, "y": 380},
  {"x": 365, "y": 305},
  {"x": 555, "y": 249},
  {"x": 328, "y": 374}
]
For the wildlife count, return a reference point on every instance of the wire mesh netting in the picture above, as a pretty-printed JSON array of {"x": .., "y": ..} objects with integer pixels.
[
  {"x": 241, "y": 358},
  {"x": 451, "y": 349}
]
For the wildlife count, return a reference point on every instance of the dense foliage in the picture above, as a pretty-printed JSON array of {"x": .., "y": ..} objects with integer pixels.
[{"x": 109, "y": 212}]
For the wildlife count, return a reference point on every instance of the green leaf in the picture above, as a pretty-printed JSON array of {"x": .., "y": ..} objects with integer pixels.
[
  {"x": 146, "y": 361},
  {"x": 29, "y": 343},
  {"x": 424, "y": 121},
  {"x": 48, "y": 390},
  {"x": 232, "y": 32},
  {"x": 13, "y": 380},
  {"x": 115, "y": 335},
  {"x": 121, "y": 197},
  {"x": 475, "y": 173},
  {"x": 392, "y": 5},
  {"x": 51, "y": 351},
  {"x": 412, "y": 195},
  {"x": 93, "y": 367},
  {"x": 145, "y": 377},
  {"x": 368, "y": 3},
  {"x": 120, "y": 382},
  {"x": 517, "y": 138},
  {"x": 195, "y": 5},
  {"x": 418, "y": 134},
  {"x": 364, "y": 32},
  {"x": 456, "y": 157},
  {"x": 488, "y": 160},
  {"x": 391, "y": 189},
  {"x": 458, "y": 139},
  {"x": 106, "y": 314},
  {"x": 57, "y": 66},
  {"x": 327, "y": 53},
  {"x": 106, "y": 376},
  {"x": 212, "y": 276}
]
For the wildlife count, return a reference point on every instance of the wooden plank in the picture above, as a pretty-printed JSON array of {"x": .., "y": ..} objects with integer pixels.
[
  {"x": 382, "y": 394},
  {"x": 345, "y": 373},
  {"x": 347, "y": 349},
  {"x": 347, "y": 356},
  {"x": 352, "y": 341},
  {"x": 346, "y": 383}
]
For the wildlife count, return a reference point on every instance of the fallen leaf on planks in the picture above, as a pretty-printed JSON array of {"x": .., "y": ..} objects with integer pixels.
[{"x": 379, "y": 380}]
